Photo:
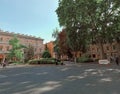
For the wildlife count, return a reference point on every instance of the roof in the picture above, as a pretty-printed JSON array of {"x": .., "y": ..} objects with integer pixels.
[{"x": 19, "y": 35}]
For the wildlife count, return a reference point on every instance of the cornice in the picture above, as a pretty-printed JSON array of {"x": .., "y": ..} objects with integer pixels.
[{"x": 7, "y": 33}]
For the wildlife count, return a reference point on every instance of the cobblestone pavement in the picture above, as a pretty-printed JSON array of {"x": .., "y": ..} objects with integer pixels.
[{"x": 66, "y": 79}]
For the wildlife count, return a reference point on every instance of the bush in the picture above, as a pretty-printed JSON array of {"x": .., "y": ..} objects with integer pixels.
[
  {"x": 84, "y": 60},
  {"x": 45, "y": 61},
  {"x": 96, "y": 60},
  {"x": 16, "y": 63},
  {"x": 46, "y": 54}
]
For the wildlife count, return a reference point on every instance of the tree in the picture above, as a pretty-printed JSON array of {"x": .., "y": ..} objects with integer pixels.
[
  {"x": 56, "y": 46},
  {"x": 46, "y": 54},
  {"x": 63, "y": 45},
  {"x": 46, "y": 48},
  {"x": 29, "y": 53},
  {"x": 69, "y": 18},
  {"x": 55, "y": 33},
  {"x": 16, "y": 52},
  {"x": 104, "y": 21},
  {"x": 89, "y": 21}
]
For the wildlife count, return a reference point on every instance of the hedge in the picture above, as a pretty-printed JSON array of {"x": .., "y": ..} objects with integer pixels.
[
  {"x": 44, "y": 61},
  {"x": 84, "y": 60}
]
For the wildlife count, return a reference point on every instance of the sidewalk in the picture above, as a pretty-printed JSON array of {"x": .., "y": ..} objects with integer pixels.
[{"x": 15, "y": 65}]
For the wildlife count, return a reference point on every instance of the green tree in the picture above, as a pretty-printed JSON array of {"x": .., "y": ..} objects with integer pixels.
[
  {"x": 103, "y": 22},
  {"x": 89, "y": 21},
  {"x": 68, "y": 18},
  {"x": 56, "y": 46},
  {"x": 55, "y": 33},
  {"x": 17, "y": 49},
  {"x": 46, "y": 54}
]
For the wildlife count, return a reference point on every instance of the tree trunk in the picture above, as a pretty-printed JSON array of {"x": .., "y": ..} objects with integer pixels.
[
  {"x": 75, "y": 56},
  {"x": 118, "y": 48},
  {"x": 102, "y": 53}
]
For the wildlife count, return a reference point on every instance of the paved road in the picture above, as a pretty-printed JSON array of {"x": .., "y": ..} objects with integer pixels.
[{"x": 73, "y": 79}]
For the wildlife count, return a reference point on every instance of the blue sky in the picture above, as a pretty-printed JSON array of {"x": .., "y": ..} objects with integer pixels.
[{"x": 32, "y": 17}]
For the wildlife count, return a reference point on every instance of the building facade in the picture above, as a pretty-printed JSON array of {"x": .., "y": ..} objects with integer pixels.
[
  {"x": 110, "y": 49},
  {"x": 26, "y": 40}
]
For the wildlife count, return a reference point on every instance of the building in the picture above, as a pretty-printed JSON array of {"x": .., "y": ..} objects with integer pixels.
[
  {"x": 109, "y": 50},
  {"x": 93, "y": 51},
  {"x": 26, "y": 40},
  {"x": 50, "y": 46}
]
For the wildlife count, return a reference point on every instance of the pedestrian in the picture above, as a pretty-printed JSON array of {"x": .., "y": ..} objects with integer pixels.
[
  {"x": 4, "y": 63},
  {"x": 117, "y": 60}
]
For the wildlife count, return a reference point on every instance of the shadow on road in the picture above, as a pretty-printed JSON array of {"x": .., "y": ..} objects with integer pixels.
[{"x": 78, "y": 79}]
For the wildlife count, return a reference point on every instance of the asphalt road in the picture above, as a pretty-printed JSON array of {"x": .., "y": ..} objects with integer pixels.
[{"x": 66, "y": 79}]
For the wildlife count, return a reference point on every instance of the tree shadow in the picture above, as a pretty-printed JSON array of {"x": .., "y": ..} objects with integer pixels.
[{"x": 81, "y": 79}]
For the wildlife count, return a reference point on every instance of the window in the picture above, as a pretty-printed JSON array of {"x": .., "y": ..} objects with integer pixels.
[
  {"x": 35, "y": 49},
  {"x": 40, "y": 49},
  {"x": 93, "y": 55},
  {"x": 93, "y": 49},
  {"x": 1, "y": 39},
  {"x": 8, "y": 40},
  {"x": 7, "y": 48},
  {"x": 80, "y": 54},
  {"x": 1, "y": 47},
  {"x": 107, "y": 48}
]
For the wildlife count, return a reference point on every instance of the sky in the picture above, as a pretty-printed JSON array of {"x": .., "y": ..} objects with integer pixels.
[{"x": 32, "y": 17}]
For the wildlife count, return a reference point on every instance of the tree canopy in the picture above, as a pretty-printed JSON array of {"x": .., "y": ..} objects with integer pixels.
[
  {"x": 16, "y": 51},
  {"x": 89, "y": 21}
]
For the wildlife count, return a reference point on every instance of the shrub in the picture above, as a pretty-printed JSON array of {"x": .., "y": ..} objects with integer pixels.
[
  {"x": 84, "y": 59},
  {"x": 44, "y": 61},
  {"x": 46, "y": 54}
]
